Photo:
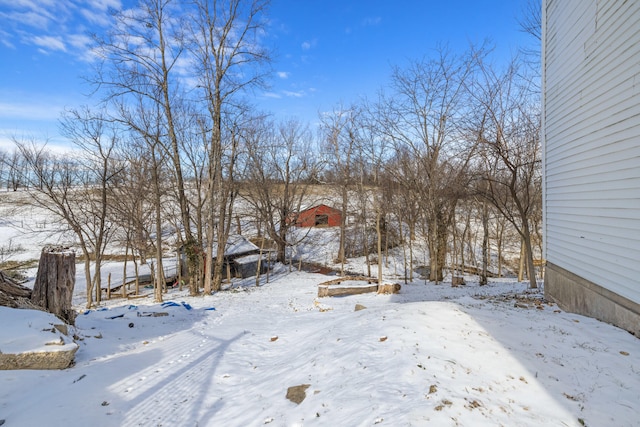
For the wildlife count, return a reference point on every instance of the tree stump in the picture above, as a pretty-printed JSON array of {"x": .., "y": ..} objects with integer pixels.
[
  {"x": 56, "y": 277},
  {"x": 457, "y": 281},
  {"x": 389, "y": 288}
]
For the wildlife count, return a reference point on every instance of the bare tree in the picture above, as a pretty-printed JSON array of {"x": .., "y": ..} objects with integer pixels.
[
  {"x": 133, "y": 206},
  {"x": 195, "y": 140},
  {"x": 234, "y": 132},
  {"x": 423, "y": 115},
  {"x": 142, "y": 62},
  {"x": 15, "y": 170},
  {"x": 341, "y": 134},
  {"x": 77, "y": 189},
  {"x": 97, "y": 141},
  {"x": 510, "y": 147},
  {"x": 146, "y": 126},
  {"x": 4, "y": 157},
  {"x": 485, "y": 243},
  {"x": 228, "y": 55},
  {"x": 368, "y": 165},
  {"x": 530, "y": 22},
  {"x": 531, "y": 19},
  {"x": 280, "y": 163},
  {"x": 405, "y": 170}
]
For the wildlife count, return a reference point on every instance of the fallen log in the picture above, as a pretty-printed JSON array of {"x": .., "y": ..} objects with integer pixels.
[
  {"x": 13, "y": 288},
  {"x": 13, "y": 294},
  {"x": 137, "y": 296}
]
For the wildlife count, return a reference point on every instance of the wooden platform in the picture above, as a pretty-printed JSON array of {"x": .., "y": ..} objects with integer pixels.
[{"x": 332, "y": 288}]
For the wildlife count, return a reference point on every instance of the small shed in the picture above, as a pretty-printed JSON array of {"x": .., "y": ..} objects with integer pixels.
[
  {"x": 247, "y": 265},
  {"x": 240, "y": 257},
  {"x": 319, "y": 216}
]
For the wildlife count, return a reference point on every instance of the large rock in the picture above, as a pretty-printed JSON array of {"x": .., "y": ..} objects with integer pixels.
[
  {"x": 33, "y": 339},
  {"x": 39, "y": 360},
  {"x": 297, "y": 393}
]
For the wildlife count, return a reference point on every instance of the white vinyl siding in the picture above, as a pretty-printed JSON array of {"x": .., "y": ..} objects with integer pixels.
[{"x": 591, "y": 72}]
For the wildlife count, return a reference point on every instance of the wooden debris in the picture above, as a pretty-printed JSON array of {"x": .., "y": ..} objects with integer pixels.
[
  {"x": 13, "y": 294},
  {"x": 153, "y": 314}
]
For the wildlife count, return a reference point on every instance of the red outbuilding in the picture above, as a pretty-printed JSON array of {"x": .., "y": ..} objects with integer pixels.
[{"x": 319, "y": 216}]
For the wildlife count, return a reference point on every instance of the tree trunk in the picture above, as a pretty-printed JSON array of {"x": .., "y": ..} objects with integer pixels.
[
  {"x": 442, "y": 254},
  {"x": 411, "y": 257},
  {"x": 485, "y": 243},
  {"x": 521, "y": 264},
  {"x": 404, "y": 251},
  {"x": 499, "y": 231},
  {"x": 531, "y": 269},
  {"x": 124, "y": 270},
  {"x": 208, "y": 263},
  {"x": 157, "y": 204},
  {"x": 437, "y": 252},
  {"x": 343, "y": 229},
  {"x": 259, "y": 266},
  {"x": 56, "y": 277},
  {"x": 454, "y": 255},
  {"x": 434, "y": 257},
  {"x": 379, "y": 233},
  {"x": 365, "y": 243},
  {"x": 87, "y": 275},
  {"x": 97, "y": 278},
  {"x": 281, "y": 243},
  {"x": 225, "y": 219}
]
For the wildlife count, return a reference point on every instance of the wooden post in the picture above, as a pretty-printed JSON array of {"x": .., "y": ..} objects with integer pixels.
[{"x": 55, "y": 280}]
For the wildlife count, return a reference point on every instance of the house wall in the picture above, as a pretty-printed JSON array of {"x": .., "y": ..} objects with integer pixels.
[{"x": 591, "y": 143}]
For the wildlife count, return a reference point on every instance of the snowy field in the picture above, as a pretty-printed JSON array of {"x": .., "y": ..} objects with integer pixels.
[{"x": 435, "y": 355}]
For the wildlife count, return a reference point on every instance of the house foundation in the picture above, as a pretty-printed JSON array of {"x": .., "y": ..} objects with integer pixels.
[{"x": 577, "y": 295}]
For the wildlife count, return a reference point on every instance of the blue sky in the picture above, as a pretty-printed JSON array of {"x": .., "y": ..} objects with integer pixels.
[{"x": 326, "y": 51}]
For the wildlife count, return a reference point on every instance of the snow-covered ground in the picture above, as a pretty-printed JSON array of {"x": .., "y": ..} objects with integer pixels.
[{"x": 430, "y": 355}]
